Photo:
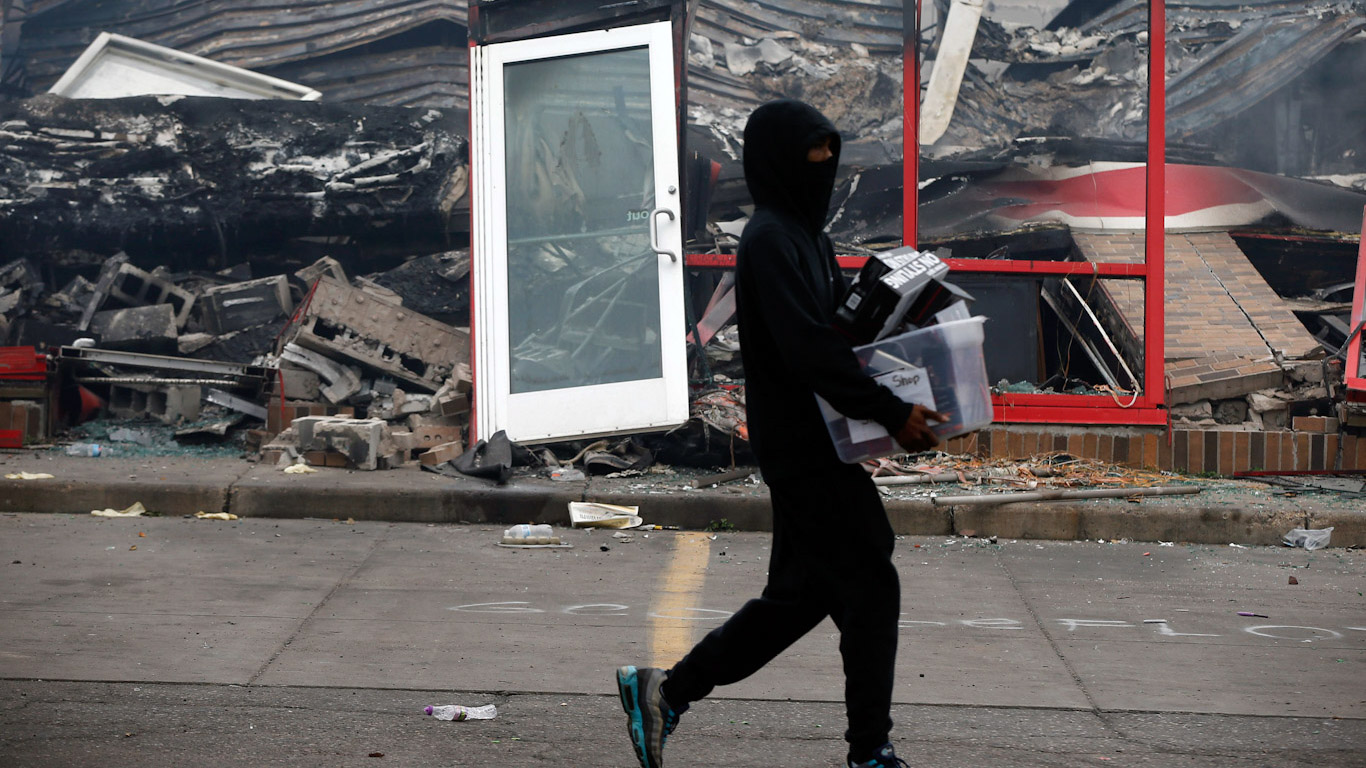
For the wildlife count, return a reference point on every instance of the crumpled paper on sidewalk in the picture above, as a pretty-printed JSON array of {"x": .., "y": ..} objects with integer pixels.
[
  {"x": 202, "y": 515},
  {"x": 29, "y": 476},
  {"x": 134, "y": 511},
  {"x": 587, "y": 514},
  {"x": 299, "y": 469}
]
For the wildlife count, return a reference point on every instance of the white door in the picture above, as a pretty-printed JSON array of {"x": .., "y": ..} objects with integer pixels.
[{"x": 577, "y": 252}]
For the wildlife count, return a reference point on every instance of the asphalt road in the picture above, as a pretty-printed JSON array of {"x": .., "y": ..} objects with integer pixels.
[{"x": 262, "y": 642}]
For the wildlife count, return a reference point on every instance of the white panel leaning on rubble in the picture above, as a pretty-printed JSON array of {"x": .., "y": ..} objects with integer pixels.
[{"x": 114, "y": 66}]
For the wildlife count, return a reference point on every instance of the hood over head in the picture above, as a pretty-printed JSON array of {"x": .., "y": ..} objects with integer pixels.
[{"x": 777, "y": 172}]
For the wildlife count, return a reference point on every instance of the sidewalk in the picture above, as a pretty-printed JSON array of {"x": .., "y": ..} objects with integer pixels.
[
  {"x": 1224, "y": 512},
  {"x": 167, "y": 642}
]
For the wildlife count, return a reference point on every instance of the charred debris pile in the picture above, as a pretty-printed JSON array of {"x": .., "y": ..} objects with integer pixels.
[{"x": 288, "y": 278}]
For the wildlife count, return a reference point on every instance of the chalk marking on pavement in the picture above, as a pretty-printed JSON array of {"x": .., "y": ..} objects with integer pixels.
[
  {"x": 676, "y": 596},
  {"x": 1314, "y": 632}
]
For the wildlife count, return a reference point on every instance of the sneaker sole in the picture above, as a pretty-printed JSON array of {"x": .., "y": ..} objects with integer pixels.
[{"x": 628, "y": 687}]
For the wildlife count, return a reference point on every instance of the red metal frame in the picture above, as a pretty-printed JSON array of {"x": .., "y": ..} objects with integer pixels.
[
  {"x": 1352, "y": 373},
  {"x": 22, "y": 364},
  {"x": 1150, "y": 406}
]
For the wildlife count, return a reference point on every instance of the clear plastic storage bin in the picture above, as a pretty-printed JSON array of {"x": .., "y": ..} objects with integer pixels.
[{"x": 940, "y": 367}]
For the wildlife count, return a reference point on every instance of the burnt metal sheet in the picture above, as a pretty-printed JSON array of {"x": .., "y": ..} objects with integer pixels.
[
  {"x": 432, "y": 76},
  {"x": 1256, "y": 62},
  {"x": 875, "y": 24}
]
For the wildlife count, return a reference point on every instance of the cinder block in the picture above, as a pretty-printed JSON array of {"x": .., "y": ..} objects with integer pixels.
[
  {"x": 170, "y": 404},
  {"x": 442, "y": 453},
  {"x": 362, "y": 441},
  {"x": 139, "y": 329},
  {"x": 299, "y": 384},
  {"x": 434, "y": 435},
  {"x": 136, "y": 287},
  {"x": 279, "y": 419},
  {"x": 227, "y": 308},
  {"x": 379, "y": 334}
]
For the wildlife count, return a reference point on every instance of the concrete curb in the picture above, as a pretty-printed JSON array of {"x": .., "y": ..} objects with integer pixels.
[{"x": 186, "y": 486}]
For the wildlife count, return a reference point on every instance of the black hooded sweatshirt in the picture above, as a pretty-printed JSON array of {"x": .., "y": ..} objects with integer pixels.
[{"x": 788, "y": 285}]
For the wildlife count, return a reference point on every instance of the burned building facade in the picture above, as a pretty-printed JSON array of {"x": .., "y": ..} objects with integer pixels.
[{"x": 1032, "y": 148}]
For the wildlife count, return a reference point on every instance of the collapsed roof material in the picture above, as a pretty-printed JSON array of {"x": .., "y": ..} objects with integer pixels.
[{"x": 115, "y": 66}]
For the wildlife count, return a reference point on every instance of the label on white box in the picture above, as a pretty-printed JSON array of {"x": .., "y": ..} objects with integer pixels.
[{"x": 910, "y": 384}]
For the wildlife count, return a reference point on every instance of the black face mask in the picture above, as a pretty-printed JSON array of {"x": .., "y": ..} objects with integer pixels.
[{"x": 777, "y": 138}]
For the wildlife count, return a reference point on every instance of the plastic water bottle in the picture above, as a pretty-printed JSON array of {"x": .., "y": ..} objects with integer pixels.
[
  {"x": 457, "y": 712},
  {"x": 530, "y": 534},
  {"x": 84, "y": 449}
]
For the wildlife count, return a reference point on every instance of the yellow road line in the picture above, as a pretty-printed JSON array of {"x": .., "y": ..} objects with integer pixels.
[{"x": 676, "y": 597}]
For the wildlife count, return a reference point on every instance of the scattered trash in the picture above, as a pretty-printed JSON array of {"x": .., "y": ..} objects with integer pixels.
[
  {"x": 84, "y": 449},
  {"x": 299, "y": 469},
  {"x": 526, "y": 535},
  {"x": 457, "y": 713},
  {"x": 1308, "y": 538},
  {"x": 1294, "y": 581},
  {"x": 566, "y": 474},
  {"x": 587, "y": 514},
  {"x": 490, "y": 459},
  {"x": 201, "y": 515},
  {"x": 134, "y": 511},
  {"x": 1154, "y": 621},
  {"x": 721, "y": 478},
  {"x": 1237, "y": 546},
  {"x": 29, "y": 476},
  {"x": 1253, "y": 615}
]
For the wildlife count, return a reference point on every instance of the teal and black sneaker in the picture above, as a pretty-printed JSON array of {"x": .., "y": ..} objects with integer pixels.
[
  {"x": 885, "y": 758},
  {"x": 650, "y": 719}
]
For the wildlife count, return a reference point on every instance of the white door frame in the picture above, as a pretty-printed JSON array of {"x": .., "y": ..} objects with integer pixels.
[{"x": 630, "y": 406}]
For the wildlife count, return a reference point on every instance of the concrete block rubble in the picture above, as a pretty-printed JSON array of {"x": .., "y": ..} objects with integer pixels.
[{"x": 311, "y": 365}]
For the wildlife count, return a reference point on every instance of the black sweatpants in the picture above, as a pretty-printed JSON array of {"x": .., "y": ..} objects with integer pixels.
[{"x": 832, "y": 550}]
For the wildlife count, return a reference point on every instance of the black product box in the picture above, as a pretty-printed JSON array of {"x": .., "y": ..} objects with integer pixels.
[{"x": 885, "y": 290}]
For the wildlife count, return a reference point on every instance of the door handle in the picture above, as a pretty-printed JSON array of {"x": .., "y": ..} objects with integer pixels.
[{"x": 654, "y": 233}]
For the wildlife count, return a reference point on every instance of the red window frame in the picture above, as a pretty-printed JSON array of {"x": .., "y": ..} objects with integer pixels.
[{"x": 1150, "y": 408}]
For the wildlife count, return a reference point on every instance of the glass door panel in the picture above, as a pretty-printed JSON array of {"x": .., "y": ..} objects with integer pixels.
[{"x": 580, "y": 321}]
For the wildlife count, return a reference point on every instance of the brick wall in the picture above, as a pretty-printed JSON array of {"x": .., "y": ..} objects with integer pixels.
[{"x": 1315, "y": 444}]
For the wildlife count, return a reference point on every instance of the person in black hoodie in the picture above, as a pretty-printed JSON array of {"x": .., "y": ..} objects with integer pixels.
[{"x": 832, "y": 542}]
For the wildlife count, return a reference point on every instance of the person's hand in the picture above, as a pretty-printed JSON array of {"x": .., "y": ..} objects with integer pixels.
[{"x": 915, "y": 435}]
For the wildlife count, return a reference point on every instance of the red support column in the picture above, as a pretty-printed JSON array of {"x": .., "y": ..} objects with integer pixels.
[
  {"x": 1355, "y": 377},
  {"x": 910, "y": 125},
  {"x": 1154, "y": 293}
]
